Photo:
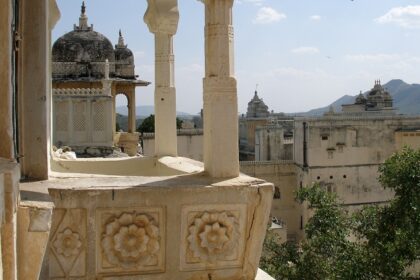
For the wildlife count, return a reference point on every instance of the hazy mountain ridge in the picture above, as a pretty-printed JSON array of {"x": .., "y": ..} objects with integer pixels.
[
  {"x": 143, "y": 111},
  {"x": 406, "y": 99}
]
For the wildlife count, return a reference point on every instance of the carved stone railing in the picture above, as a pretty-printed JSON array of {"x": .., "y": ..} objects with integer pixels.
[{"x": 178, "y": 228}]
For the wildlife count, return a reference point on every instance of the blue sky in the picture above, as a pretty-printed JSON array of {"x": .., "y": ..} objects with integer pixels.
[{"x": 302, "y": 54}]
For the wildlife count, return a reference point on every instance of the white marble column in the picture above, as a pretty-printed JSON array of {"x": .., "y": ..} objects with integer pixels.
[
  {"x": 38, "y": 19},
  {"x": 221, "y": 151},
  {"x": 162, "y": 19}
]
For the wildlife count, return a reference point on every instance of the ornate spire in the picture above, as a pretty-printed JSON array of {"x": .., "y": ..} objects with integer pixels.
[
  {"x": 83, "y": 20},
  {"x": 120, "y": 41},
  {"x": 83, "y": 8}
]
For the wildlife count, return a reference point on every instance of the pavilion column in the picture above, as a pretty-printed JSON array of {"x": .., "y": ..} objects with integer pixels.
[
  {"x": 221, "y": 151},
  {"x": 38, "y": 19},
  {"x": 6, "y": 86},
  {"x": 162, "y": 19},
  {"x": 132, "y": 112}
]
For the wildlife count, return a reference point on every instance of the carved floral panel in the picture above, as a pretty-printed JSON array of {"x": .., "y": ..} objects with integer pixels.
[
  {"x": 67, "y": 253},
  {"x": 213, "y": 236},
  {"x": 130, "y": 240}
]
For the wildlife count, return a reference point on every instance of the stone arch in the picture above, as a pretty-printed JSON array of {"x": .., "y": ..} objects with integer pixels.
[{"x": 121, "y": 99}]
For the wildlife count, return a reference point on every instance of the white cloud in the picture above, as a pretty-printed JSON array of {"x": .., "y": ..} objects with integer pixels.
[
  {"x": 406, "y": 17},
  {"x": 381, "y": 57},
  {"x": 255, "y": 2},
  {"x": 267, "y": 15},
  {"x": 192, "y": 68},
  {"x": 305, "y": 50},
  {"x": 315, "y": 17},
  {"x": 139, "y": 54}
]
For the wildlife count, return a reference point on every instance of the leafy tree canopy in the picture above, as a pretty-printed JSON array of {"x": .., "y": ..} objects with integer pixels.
[
  {"x": 376, "y": 242},
  {"x": 148, "y": 124}
]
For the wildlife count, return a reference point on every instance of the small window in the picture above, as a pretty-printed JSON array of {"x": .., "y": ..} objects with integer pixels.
[
  {"x": 344, "y": 176},
  {"x": 318, "y": 178},
  {"x": 324, "y": 137},
  {"x": 331, "y": 177}
]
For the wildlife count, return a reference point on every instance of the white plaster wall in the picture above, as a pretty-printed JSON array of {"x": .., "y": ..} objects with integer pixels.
[
  {"x": 354, "y": 185},
  {"x": 190, "y": 146}
]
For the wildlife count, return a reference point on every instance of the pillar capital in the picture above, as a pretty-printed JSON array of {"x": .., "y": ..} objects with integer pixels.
[{"x": 162, "y": 16}]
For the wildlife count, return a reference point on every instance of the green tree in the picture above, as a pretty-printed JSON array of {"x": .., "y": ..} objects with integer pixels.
[
  {"x": 179, "y": 123},
  {"x": 385, "y": 239},
  {"x": 148, "y": 124}
]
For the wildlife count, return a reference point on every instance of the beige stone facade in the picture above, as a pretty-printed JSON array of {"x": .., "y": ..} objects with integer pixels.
[{"x": 340, "y": 151}]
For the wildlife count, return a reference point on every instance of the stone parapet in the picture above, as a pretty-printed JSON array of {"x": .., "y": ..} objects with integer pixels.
[
  {"x": 182, "y": 227},
  {"x": 358, "y": 117}
]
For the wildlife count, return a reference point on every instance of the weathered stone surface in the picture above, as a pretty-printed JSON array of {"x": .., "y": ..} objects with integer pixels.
[
  {"x": 34, "y": 221},
  {"x": 181, "y": 227},
  {"x": 10, "y": 173}
]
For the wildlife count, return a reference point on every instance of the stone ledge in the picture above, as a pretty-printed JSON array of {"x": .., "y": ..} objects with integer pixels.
[{"x": 262, "y": 275}]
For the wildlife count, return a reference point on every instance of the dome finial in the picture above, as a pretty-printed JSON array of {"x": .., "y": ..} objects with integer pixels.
[
  {"x": 83, "y": 20},
  {"x": 120, "y": 41},
  {"x": 83, "y": 8}
]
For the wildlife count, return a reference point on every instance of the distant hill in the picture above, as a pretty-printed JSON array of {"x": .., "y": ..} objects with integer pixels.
[
  {"x": 143, "y": 111},
  {"x": 406, "y": 99}
]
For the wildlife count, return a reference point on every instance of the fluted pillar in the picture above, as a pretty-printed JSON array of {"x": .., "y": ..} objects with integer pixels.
[
  {"x": 221, "y": 152},
  {"x": 162, "y": 19}
]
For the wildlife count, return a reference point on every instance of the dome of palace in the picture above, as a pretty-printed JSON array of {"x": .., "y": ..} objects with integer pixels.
[{"x": 83, "y": 46}]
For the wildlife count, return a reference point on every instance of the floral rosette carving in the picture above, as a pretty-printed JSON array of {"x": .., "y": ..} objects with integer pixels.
[
  {"x": 68, "y": 243},
  {"x": 131, "y": 240},
  {"x": 213, "y": 236}
]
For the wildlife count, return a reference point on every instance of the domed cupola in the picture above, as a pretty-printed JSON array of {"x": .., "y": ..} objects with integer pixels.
[
  {"x": 360, "y": 99},
  {"x": 124, "y": 59},
  {"x": 379, "y": 97},
  {"x": 81, "y": 52},
  {"x": 257, "y": 108}
]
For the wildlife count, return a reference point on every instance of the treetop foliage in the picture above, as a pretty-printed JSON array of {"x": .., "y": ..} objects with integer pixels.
[{"x": 375, "y": 242}]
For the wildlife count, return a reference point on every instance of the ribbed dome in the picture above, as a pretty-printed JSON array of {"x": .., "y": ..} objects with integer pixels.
[{"x": 83, "y": 46}]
